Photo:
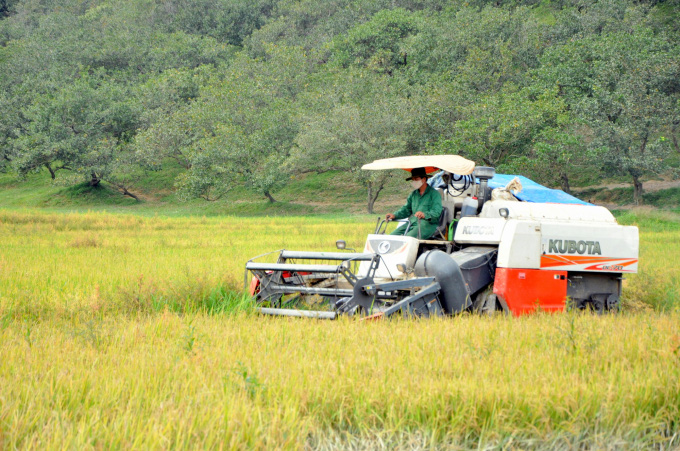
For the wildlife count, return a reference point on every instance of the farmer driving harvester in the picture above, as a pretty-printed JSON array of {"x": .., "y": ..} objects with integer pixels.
[
  {"x": 423, "y": 207},
  {"x": 533, "y": 250}
]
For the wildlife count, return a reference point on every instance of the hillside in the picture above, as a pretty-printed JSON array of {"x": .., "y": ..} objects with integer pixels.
[
  {"x": 328, "y": 193},
  {"x": 231, "y": 101},
  {"x": 334, "y": 193}
]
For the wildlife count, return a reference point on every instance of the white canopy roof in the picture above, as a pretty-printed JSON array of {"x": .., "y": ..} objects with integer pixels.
[{"x": 450, "y": 163}]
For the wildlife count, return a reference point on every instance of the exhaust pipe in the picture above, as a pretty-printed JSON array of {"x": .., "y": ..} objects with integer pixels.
[{"x": 483, "y": 173}]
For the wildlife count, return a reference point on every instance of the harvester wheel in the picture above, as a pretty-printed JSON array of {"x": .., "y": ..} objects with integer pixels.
[
  {"x": 605, "y": 303},
  {"x": 612, "y": 304},
  {"x": 486, "y": 302}
]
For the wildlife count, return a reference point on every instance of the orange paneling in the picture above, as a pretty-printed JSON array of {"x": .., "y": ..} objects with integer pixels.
[{"x": 525, "y": 290}]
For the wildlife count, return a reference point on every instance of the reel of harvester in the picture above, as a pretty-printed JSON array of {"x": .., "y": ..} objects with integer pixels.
[{"x": 327, "y": 284}]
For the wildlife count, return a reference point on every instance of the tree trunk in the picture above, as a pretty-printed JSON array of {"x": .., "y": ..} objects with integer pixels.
[
  {"x": 637, "y": 183},
  {"x": 181, "y": 160},
  {"x": 637, "y": 190},
  {"x": 564, "y": 181},
  {"x": 128, "y": 193},
  {"x": 94, "y": 181},
  {"x": 373, "y": 194},
  {"x": 674, "y": 138},
  {"x": 269, "y": 196},
  {"x": 124, "y": 190},
  {"x": 49, "y": 168}
]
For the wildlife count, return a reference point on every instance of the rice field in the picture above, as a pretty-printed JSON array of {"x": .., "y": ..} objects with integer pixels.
[{"x": 131, "y": 332}]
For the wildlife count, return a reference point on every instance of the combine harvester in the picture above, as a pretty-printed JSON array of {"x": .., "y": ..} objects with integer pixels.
[{"x": 496, "y": 249}]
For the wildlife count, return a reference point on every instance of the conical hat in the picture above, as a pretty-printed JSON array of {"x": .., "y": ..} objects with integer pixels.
[{"x": 450, "y": 163}]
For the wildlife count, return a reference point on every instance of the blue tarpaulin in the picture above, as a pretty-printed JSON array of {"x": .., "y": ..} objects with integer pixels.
[{"x": 533, "y": 192}]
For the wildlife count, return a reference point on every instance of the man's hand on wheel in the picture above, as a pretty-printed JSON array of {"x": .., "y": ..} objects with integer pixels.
[
  {"x": 389, "y": 216},
  {"x": 420, "y": 215}
]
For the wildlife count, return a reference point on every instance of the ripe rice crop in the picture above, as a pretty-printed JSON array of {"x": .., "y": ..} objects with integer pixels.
[{"x": 123, "y": 331}]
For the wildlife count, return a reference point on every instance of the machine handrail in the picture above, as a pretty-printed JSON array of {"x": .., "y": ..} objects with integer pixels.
[
  {"x": 341, "y": 256},
  {"x": 387, "y": 221},
  {"x": 252, "y": 266}
]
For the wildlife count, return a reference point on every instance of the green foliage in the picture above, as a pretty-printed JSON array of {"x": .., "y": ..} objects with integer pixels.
[
  {"x": 6, "y": 7},
  {"x": 559, "y": 152},
  {"x": 229, "y": 21},
  {"x": 167, "y": 116},
  {"x": 242, "y": 127},
  {"x": 378, "y": 43},
  {"x": 364, "y": 117},
  {"x": 624, "y": 86},
  {"x": 85, "y": 127},
  {"x": 501, "y": 127},
  {"x": 246, "y": 95}
]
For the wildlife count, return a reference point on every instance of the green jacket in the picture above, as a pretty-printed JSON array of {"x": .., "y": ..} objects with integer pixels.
[{"x": 430, "y": 203}]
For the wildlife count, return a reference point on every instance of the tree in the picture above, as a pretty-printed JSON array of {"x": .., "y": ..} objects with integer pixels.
[
  {"x": 557, "y": 154},
  {"x": 364, "y": 117},
  {"x": 378, "y": 43},
  {"x": 501, "y": 127},
  {"x": 79, "y": 106},
  {"x": 471, "y": 61},
  {"x": 625, "y": 87},
  {"x": 229, "y": 89},
  {"x": 249, "y": 150},
  {"x": 6, "y": 7},
  {"x": 241, "y": 129},
  {"x": 166, "y": 124},
  {"x": 84, "y": 127},
  {"x": 229, "y": 21}
]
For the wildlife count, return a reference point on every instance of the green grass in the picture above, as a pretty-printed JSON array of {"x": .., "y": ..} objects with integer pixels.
[
  {"x": 668, "y": 198},
  {"x": 658, "y": 282},
  {"x": 38, "y": 191},
  {"x": 664, "y": 199},
  {"x": 649, "y": 222},
  {"x": 334, "y": 193},
  {"x": 310, "y": 194}
]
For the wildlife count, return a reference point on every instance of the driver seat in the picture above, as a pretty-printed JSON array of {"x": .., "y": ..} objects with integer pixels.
[{"x": 442, "y": 226}]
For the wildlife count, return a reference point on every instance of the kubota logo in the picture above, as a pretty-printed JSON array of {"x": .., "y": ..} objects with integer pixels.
[
  {"x": 478, "y": 230},
  {"x": 574, "y": 247},
  {"x": 384, "y": 247}
]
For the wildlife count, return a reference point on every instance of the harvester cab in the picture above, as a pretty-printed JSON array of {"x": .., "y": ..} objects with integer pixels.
[{"x": 495, "y": 249}]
